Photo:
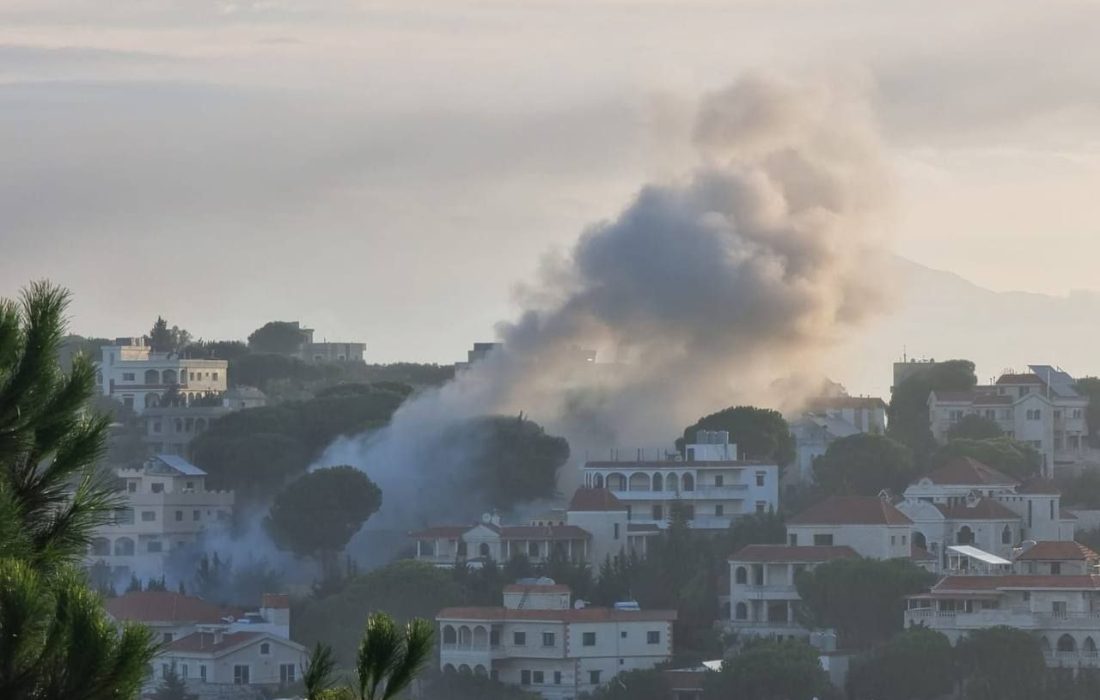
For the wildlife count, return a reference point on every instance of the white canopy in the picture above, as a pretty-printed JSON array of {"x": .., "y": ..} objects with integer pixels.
[{"x": 979, "y": 554}]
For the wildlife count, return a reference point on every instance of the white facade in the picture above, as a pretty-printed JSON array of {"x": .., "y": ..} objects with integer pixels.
[
  {"x": 170, "y": 429},
  {"x": 137, "y": 377},
  {"x": 447, "y": 545},
  {"x": 166, "y": 506},
  {"x": 871, "y": 526},
  {"x": 711, "y": 483},
  {"x": 825, "y": 420},
  {"x": 212, "y": 660},
  {"x": 1040, "y": 408},
  {"x": 558, "y": 652}
]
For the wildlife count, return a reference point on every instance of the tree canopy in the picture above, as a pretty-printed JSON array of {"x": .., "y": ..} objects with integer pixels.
[
  {"x": 1014, "y": 458},
  {"x": 277, "y": 337},
  {"x": 760, "y": 433},
  {"x": 640, "y": 684},
  {"x": 862, "y": 599},
  {"x": 164, "y": 339},
  {"x": 908, "y": 411},
  {"x": 974, "y": 427},
  {"x": 899, "y": 669},
  {"x": 1002, "y": 663},
  {"x": 766, "y": 669},
  {"x": 863, "y": 465},
  {"x": 317, "y": 514}
]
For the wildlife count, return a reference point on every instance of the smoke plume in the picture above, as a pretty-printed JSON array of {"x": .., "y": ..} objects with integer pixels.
[{"x": 698, "y": 295}]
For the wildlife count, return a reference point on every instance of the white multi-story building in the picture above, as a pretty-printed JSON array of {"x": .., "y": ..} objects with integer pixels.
[
  {"x": 1054, "y": 592},
  {"x": 130, "y": 372},
  {"x": 171, "y": 616},
  {"x": 539, "y": 641},
  {"x": 166, "y": 507},
  {"x": 711, "y": 484},
  {"x": 965, "y": 502},
  {"x": 871, "y": 526},
  {"x": 825, "y": 420},
  {"x": 1041, "y": 408},
  {"x": 170, "y": 429},
  {"x": 763, "y": 597}
]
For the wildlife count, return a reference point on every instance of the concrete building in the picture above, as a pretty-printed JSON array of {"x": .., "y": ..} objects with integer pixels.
[
  {"x": 170, "y": 429},
  {"x": 215, "y": 661},
  {"x": 539, "y": 641},
  {"x": 130, "y": 372},
  {"x": 1040, "y": 407},
  {"x": 763, "y": 597},
  {"x": 172, "y": 616},
  {"x": 713, "y": 485},
  {"x": 965, "y": 502},
  {"x": 824, "y": 420},
  {"x": 1053, "y": 592},
  {"x": 242, "y": 397},
  {"x": 166, "y": 507},
  {"x": 872, "y": 527}
]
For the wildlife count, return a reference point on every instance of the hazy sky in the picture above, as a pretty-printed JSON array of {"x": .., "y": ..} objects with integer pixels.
[{"x": 388, "y": 171}]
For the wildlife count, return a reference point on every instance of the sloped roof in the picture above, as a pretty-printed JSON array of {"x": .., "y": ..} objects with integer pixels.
[
  {"x": 967, "y": 471},
  {"x": 570, "y": 615},
  {"x": 1039, "y": 486},
  {"x": 204, "y": 642},
  {"x": 1019, "y": 378},
  {"x": 181, "y": 465},
  {"x": 443, "y": 531},
  {"x": 544, "y": 532},
  {"x": 1067, "y": 550},
  {"x": 275, "y": 600},
  {"x": 1015, "y": 581},
  {"x": 984, "y": 509},
  {"x": 810, "y": 554},
  {"x": 163, "y": 606},
  {"x": 586, "y": 499},
  {"x": 851, "y": 510}
]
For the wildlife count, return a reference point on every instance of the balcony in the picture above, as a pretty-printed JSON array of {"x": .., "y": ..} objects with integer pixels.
[{"x": 1013, "y": 617}]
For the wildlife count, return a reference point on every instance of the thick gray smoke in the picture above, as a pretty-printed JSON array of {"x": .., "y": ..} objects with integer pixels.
[{"x": 698, "y": 295}]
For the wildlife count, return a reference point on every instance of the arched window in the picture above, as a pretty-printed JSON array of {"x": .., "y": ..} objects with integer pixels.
[
  {"x": 741, "y": 612},
  {"x": 639, "y": 482},
  {"x": 479, "y": 670},
  {"x": 658, "y": 483},
  {"x": 673, "y": 482},
  {"x": 1006, "y": 535},
  {"x": 152, "y": 376},
  {"x": 741, "y": 575},
  {"x": 919, "y": 540},
  {"x": 483, "y": 549},
  {"x": 481, "y": 637},
  {"x": 464, "y": 669},
  {"x": 1067, "y": 643},
  {"x": 168, "y": 376},
  {"x": 449, "y": 668},
  {"x": 965, "y": 535},
  {"x": 449, "y": 635},
  {"x": 464, "y": 636},
  {"x": 1044, "y": 644},
  {"x": 1089, "y": 645},
  {"x": 689, "y": 482},
  {"x": 616, "y": 482},
  {"x": 124, "y": 547}
]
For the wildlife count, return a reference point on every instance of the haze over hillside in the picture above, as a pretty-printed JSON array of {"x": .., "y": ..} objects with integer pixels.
[{"x": 938, "y": 314}]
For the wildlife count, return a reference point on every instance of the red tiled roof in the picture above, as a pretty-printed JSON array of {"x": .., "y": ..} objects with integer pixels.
[
  {"x": 275, "y": 600},
  {"x": 444, "y": 531},
  {"x": 164, "y": 606},
  {"x": 966, "y": 471},
  {"x": 544, "y": 532},
  {"x": 984, "y": 509},
  {"x": 851, "y": 510},
  {"x": 1027, "y": 378},
  {"x": 571, "y": 615},
  {"x": 788, "y": 553},
  {"x": 1049, "y": 550},
  {"x": 536, "y": 588},
  {"x": 920, "y": 554},
  {"x": 1039, "y": 486},
  {"x": 204, "y": 641},
  {"x": 586, "y": 499},
  {"x": 982, "y": 399},
  {"x": 1015, "y": 581}
]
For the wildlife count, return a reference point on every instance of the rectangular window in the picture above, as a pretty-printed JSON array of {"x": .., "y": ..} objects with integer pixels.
[
  {"x": 128, "y": 401},
  {"x": 628, "y": 512},
  {"x": 179, "y": 516},
  {"x": 1059, "y": 608},
  {"x": 893, "y": 540},
  {"x": 653, "y": 637},
  {"x": 594, "y": 677},
  {"x": 1055, "y": 568},
  {"x": 148, "y": 516},
  {"x": 288, "y": 673},
  {"x": 215, "y": 376},
  {"x": 719, "y": 509},
  {"x": 538, "y": 677},
  {"x": 792, "y": 540},
  {"x": 241, "y": 674},
  {"x": 167, "y": 637},
  {"x": 519, "y": 639},
  {"x": 548, "y": 639},
  {"x": 658, "y": 512},
  {"x": 588, "y": 639},
  {"x": 265, "y": 649},
  {"x": 202, "y": 672},
  {"x": 157, "y": 487},
  {"x": 761, "y": 507},
  {"x": 616, "y": 531},
  {"x": 525, "y": 677},
  {"x": 719, "y": 480},
  {"x": 195, "y": 515},
  {"x": 127, "y": 376},
  {"x": 156, "y": 426},
  {"x": 760, "y": 478},
  {"x": 183, "y": 671},
  {"x": 557, "y": 677},
  {"x": 131, "y": 487},
  {"x": 823, "y": 540},
  {"x": 164, "y": 670}
]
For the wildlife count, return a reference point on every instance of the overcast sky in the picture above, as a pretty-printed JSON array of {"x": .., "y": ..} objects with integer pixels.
[{"x": 389, "y": 171}]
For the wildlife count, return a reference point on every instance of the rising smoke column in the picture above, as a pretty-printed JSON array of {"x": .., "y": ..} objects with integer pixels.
[{"x": 702, "y": 292}]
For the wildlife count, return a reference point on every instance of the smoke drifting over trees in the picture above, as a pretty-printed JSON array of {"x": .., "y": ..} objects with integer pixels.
[{"x": 699, "y": 294}]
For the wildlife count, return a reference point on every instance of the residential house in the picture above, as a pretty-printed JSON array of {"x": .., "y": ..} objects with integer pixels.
[
  {"x": 1041, "y": 407},
  {"x": 172, "y": 615},
  {"x": 170, "y": 429},
  {"x": 712, "y": 485},
  {"x": 871, "y": 526},
  {"x": 1054, "y": 592},
  {"x": 130, "y": 372},
  {"x": 827, "y": 419},
  {"x": 166, "y": 506},
  {"x": 213, "y": 660},
  {"x": 541, "y": 642}
]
